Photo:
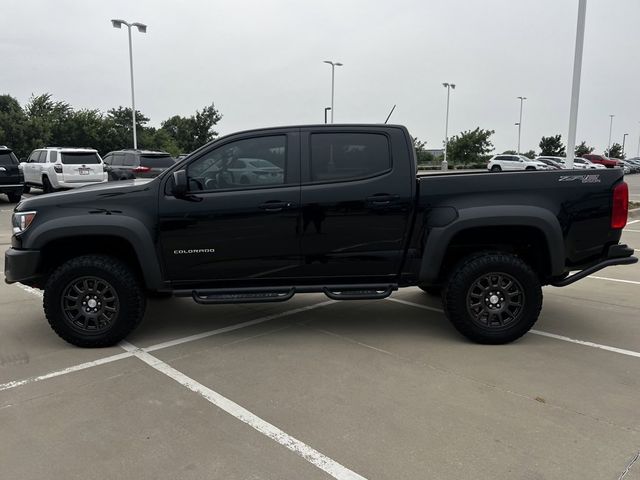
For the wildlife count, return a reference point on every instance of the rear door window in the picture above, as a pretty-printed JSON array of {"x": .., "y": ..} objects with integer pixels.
[
  {"x": 8, "y": 158},
  {"x": 346, "y": 156},
  {"x": 79, "y": 158},
  {"x": 53, "y": 156},
  {"x": 156, "y": 161},
  {"x": 118, "y": 159}
]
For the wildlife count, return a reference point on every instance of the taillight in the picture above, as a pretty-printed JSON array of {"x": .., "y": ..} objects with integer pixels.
[
  {"x": 141, "y": 169},
  {"x": 620, "y": 208},
  {"x": 57, "y": 168}
]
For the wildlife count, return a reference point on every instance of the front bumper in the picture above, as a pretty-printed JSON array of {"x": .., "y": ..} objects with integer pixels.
[
  {"x": 616, "y": 255},
  {"x": 21, "y": 265}
]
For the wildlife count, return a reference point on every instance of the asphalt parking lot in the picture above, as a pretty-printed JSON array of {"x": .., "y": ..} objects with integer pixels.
[{"x": 313, "y": 388}]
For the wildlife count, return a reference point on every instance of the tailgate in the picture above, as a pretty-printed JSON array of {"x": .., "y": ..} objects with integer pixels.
[
  {"x": 81, "y": 167},
  {"x": 10, "y": 173}
]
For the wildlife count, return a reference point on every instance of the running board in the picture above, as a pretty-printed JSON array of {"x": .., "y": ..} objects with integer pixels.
[{"x": 219, "y": 296}]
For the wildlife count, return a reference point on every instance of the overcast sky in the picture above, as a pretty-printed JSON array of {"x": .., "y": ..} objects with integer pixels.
[{"x": 261, "y": 62}]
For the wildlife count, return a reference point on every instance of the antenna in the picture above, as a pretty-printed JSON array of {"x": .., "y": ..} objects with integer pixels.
[{"x": 389, "y": 116}]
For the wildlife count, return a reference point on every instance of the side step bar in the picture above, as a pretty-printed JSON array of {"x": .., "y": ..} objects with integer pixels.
[{"x": 218, "y": 296}]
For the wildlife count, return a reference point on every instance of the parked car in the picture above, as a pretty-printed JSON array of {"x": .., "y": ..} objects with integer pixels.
[
  {"x": 632, "y": 166},
  {"x": 350, "y": 218},
  {"x": 11, "y": 177},
  {"x": 579, "y": 163},
  {"x": 129, "y": 163},
  {"x": 515, "y": 162},
  {"x": 58, "y": 168},
  {"x": 602, "y": 160},
  {"x": 554, "y": 164}
]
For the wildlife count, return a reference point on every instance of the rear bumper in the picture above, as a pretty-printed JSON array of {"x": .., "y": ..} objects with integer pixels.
[
  {"x": 13, "y": 187},
  {"x": 616, "y": 255},
  {"x": 21, "y": 265}
]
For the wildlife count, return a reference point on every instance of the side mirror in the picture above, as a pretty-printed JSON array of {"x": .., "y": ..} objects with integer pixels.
[{"x": 180, "y": 183}]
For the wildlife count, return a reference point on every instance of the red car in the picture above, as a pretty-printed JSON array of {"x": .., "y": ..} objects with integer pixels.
[{"x": 602, "y": 160}]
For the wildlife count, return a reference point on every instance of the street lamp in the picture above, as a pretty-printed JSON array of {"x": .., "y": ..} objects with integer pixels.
[
  {"x": 610, "y": 130},
  {"x": 142, "y": 28},
  {"x": 575, "y": 83},
  {"x": 449, "y": 87},
  {"x": 333, "y": 70},
  {"x": 522, "y": 99},
  {"x": 624, "y": 138},
  {"x": 326, "y": 109}
]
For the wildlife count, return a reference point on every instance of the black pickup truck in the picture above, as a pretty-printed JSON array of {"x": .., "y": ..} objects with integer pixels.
[
  {"x": 11, "y": 177},
  {"x": 259, "y": 216}
]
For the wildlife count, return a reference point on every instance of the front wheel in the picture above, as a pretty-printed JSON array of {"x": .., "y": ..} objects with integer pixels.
[
  {"x": 493, "y": 298},
  {"x": 496, "y": 168},
  {"x": 93, "y": 301}
]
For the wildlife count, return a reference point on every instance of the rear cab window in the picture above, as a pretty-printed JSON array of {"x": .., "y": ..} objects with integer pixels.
[
  {"x": 348, "y": 156},
  {"x": 79, "y": 158}
]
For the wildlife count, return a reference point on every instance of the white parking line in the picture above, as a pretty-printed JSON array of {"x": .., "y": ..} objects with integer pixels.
[
  {"x": 621, "y": 351},
  {"x": 333, "y": 468},
  {"x": 632, "y": 282},
  {"x": 64, "y": 371},
  {"x": 633, "y": 221},
  {"x": 629, "y": 230},
  {"x": 171, "y": 343}
]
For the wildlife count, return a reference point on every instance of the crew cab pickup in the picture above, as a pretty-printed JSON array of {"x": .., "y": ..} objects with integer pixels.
[{"x": 338, "y": 209}]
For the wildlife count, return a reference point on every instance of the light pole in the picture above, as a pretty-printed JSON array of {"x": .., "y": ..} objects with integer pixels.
[
  {"x": 624, "y": 138},
  {"x": 326, "y": 109},
  {"x": 610, "y": 130},
  {"x": 142, "y": 28},
  {"x": 638, "y": 154},
  {"x": 522, "y": 99},
  {"x": 575, "y": 84},
  {"x": 333, "y": 71},
  {"x": 449, "y": 87}
]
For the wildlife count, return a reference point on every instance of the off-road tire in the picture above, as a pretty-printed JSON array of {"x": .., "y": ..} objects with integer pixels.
[
  {"x": 14, "y": 197},
  {"x": 462, "y": 288},
  {"x": 46, "y": 185},
  {"x": 130, "y": 297}
]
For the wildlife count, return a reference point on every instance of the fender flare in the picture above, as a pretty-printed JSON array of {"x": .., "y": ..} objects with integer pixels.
[
  {"x": 130, "y": 229},
  {"x": 439, "y": 238}
]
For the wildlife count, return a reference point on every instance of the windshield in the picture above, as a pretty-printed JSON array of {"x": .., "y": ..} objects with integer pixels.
[
  {"x": 8, "y": 158},
  {"x": 80, "y": 158},
  {"x": 156, "y": 161}
]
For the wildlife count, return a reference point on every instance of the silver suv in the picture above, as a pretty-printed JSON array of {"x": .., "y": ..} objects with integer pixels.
[{"x": 57, "y": 168}]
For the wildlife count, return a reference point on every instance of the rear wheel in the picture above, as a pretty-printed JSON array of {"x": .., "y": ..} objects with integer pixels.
[
  {"x": 493, "y": 298},
  {"x": 46, "y": 185},
  {"x": 93, "y": 301},
  {"x": 14, "y": 197},
  {"x": 496, "y": 168}
]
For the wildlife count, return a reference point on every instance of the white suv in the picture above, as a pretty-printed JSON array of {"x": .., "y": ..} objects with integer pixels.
[
  {"x": 515, "y": 162},
  {"x": 54, "y": 168},
  {"x": 579, "y": 163}
]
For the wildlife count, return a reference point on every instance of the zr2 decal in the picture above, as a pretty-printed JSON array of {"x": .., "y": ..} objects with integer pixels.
[{"x": 581, "y": 178}]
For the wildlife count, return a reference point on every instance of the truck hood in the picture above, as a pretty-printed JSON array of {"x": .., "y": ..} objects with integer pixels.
[{"x": 87, "y": 196}]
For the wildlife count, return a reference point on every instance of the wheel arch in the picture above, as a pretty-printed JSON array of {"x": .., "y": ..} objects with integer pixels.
[
  {"x": 123, "y": 237},
  {"x": 510, "y": 228}
]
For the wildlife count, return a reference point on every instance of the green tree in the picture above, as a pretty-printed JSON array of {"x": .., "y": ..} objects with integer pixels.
[
  {"x": 190, "y": 133},
  {"x": 509, "y": 152},
  {"x": 615, "y": 151},
  {"x": 552, "y": 146},
  {"x": 471, "y": 146},
  {"x": 12, "y": 125},
  {"x": 583, "y": 149},
  {"x": 530, "y": 154},
  {"x": 424, "y": 157}
]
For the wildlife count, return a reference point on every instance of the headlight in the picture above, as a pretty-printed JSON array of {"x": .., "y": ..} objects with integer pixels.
[{"x": 21, "y": 221}]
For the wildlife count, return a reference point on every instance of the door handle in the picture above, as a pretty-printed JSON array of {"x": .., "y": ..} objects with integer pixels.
[
  {"x": 382, "y": 198},
  {"x": 275, "y": 206}
]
